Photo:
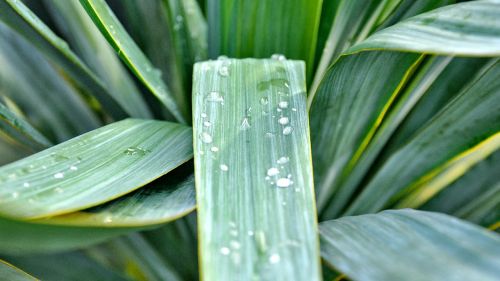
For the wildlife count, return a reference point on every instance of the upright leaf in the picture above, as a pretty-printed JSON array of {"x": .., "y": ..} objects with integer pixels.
[
  {"x": 253, "y": 171},
  {"x": 410, "y": 245},
  {"x": 87, "y": 41},
  {"x": 18, "y": 17},
  {"x": 260, "y": 28},
  {"x": 135, "y": 59}
]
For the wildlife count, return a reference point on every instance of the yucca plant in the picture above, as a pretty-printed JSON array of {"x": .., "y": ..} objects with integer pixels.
[{"x": 178, "y": 139}]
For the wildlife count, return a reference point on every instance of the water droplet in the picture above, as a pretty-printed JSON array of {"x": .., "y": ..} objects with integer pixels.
[
  {"x": 214, "y": 149},
  {"x": 297, "y": 189},
  {"x": 283, "y": 104},
  {"x": 269, "y": 134},
  {"x": 224, "y": 71},
  {"x": 136, "y": 151},
  {"x": 108, "y": 219},
  {"x": 58, "y": 190},
  {"x": 250, "y": 233},
  {"x": 224, "y": 168},
  {"x": 179, "y": 18},
  {"x": 225, "y": 251},
  {"x": 58, "y": 175},
  {"x": 287, "y": 130},
  {"x": 206, "y": 137},
  {"x": 235, "y": 244},
  {"x": 203, "y": 115},
  {"x": 264, "y": 100},
  {"x": 207, "y": 124},
  {"x": 233, "y": 232},
  {"x": 274, "y": 258},
  {"x": 273, "y": 172},
  {"x": 245, "y": 124},
  {"x": 26, "y": 184},
  {"x": 294, "y": 109},
  {"x": 279, "y": 57},
  {"x": 283, "y": 160},
  {"x": 215, "y": 97},
  {"x": 15, "y": 194},
  {"x": 283, "y": 182},
  {"x": 73, "y": 168},
  {"x": 284, "y": 203},
  {"x": 283, "y": 120}
]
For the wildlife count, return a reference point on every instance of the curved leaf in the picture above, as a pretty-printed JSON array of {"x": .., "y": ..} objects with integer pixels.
[
  {"x": 21, "y": 131},
  {"x": 464, "y": 133},
  {"x": 253, "y": 171},
  {"x": 87, "y": 41},
  {"x": 366, "y": 95},
  {"x": 164, "y": 200},
  {"x": 410, "y": 245},
  {"x": 135, "y": 59},
  {"x": 11, "y": 273},
  {"x": 120, "y": 158},
  {"x": 16, "y": 15}
]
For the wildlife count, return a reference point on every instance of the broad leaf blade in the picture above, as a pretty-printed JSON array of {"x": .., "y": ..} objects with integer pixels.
[
  {"x": 120, "y": 158},
  {"x": 253, "y": 171},
  {"x": 410, "y": 245},
  {"x": 11, "y": 273},
  {"x": 135, "y": 59},
  {"x": 164, "y": 200}
]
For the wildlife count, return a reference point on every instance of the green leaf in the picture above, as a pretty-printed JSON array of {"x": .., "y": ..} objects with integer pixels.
[
  {"x": 166, "y": 199},
  {"x": 87, "y": 41},
  {"x": 410, "y": 245},
  {"x": 366, "y": 95},
  {"x": 465, "y": 29},
  {"x": 56, "y": 180},
  {"x": 262, "y": 28},
  {"x": 11, "y": 273},
  {"x": 19, "y": 237},
  {"x": 74, "y": 266},
  {"x": 21, "y": 131},
  {"x": 474, "y": 116},
  {"x": 48, "y": 101},
  {"x": 135, "y": 59},
  {"x": 17, "y": 16},
  {"x": 253, "y": 171}
]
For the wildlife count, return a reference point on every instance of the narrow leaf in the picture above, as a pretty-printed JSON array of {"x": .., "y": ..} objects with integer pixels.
[
  {"x": 135, "y": 59},
  {"x": 21, "y": 131},
  {"x": 410, "y": 245},
  {"x": 17, "y": 16},
  {"x": 56, "y": 180},
  {"x": 253, "y": 171},
  {"x": 11, "y": 273},
  {"x": 88, "y": 42}
]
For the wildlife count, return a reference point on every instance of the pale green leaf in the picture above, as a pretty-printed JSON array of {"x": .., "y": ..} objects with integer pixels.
[
  {"x": 11, "y": 273},
  {"x": 164, "y": 200},
  {"x": 410, "y": 245},
  {"x": 253, "y": 171},
  {"x": 120, "y": 158},
  {"x": 135, "y": 59}
]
